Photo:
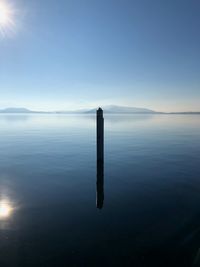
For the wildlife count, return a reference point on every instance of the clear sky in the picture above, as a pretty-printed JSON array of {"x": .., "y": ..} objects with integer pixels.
[{"x": 71, "y": 54}]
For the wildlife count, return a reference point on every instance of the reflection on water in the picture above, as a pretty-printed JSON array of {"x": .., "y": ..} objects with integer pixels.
[
  {"x": 12, "y": 118},
  {"x": 8, "y": 203},
  {"x": 100, "y": 185},
  {"x": 47, "y": 176},
  {"x": 5, "y": 209},
  {"x": 6, "y": 216}
]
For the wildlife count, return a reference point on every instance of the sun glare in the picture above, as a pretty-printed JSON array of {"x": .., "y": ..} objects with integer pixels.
[
  {"x": 5, "y": 210},
  {"x": 4, "y": 14},
  {"x": 6, "y": 18}
]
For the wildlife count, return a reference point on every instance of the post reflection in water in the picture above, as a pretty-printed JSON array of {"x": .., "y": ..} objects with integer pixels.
[
  {"x": 100, "y": 185},
  {"x": 100, "y": 160}
]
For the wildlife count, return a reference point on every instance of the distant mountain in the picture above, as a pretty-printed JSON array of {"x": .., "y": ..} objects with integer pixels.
[
  {"x": 123, "y": 110},
  {"x": 112, "y": 109},
  {"x": 21, "y": 110},
  {"x": 25, "y": 110},
  {"x": 107, "y": 109},
  {"x": 16, "y": 110}
]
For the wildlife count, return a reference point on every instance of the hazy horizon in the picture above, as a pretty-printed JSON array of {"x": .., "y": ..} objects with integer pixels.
[{"x": 93, "y": 107}]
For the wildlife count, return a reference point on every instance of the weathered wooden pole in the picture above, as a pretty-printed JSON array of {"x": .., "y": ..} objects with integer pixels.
[
  {"x": 100, "y": 135},
  {"x": 100, "y": 160}
]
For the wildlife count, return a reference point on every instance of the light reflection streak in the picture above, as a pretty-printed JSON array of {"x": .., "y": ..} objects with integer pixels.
[{"x": 6, "y": 209}]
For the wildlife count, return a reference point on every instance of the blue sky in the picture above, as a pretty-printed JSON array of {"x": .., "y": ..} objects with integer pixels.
[{"x": 71, "y": 54}]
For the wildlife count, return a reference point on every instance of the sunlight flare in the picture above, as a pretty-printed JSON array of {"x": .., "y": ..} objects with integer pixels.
[{"x": 7, "y": 13}]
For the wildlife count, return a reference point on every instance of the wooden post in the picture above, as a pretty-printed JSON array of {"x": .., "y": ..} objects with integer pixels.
[
  {"x": 100, "y": 160},
  {"x": 100, "y": 135}
]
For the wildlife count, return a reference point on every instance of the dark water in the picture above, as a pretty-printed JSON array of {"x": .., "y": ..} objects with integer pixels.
[{"x": 151, "y": 209}]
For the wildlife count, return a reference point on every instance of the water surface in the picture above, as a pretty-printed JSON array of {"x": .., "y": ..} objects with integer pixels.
[{"x": 151, "y": 209}]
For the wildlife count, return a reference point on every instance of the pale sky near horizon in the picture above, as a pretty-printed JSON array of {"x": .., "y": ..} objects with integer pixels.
[{"x": 71, "y": 54}]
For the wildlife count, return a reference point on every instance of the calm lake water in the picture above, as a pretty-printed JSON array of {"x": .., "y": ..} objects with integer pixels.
[{"x": 151, "y": 209}]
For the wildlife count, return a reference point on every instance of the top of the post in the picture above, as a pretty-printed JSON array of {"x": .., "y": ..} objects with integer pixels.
[{"x": 99, "y": 112}]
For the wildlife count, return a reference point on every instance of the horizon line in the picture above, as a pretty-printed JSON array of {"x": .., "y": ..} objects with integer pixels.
[{"x": 82, "y": 110}]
